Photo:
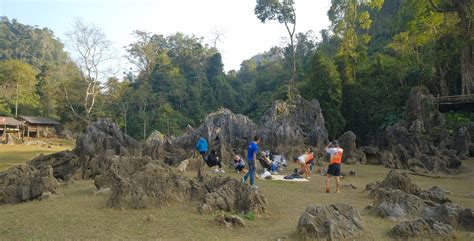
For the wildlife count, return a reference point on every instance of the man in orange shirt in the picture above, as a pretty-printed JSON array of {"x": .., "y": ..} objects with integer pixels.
[{"x": 334, "y": 168}]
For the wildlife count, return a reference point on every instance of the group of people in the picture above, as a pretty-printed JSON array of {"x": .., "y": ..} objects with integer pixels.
[{"x": 305, "y": 160}]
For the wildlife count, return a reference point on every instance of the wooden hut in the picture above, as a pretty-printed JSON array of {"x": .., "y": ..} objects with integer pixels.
[
  {"x": 9, "y": 125},
  {"x": 39, "y": 126}
]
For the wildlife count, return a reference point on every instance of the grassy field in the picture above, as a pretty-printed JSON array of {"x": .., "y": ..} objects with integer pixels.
[
  {"x": 79, "y": 214},
  {"x": 11, "y": 155}
]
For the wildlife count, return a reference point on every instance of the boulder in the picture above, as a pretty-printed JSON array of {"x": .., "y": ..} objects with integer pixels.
[
  {"x": 229, "y": 220},
  {"x": 351, "y": 154},
  {"x": 435, "y": 194},
  {"x": 65, "y": 164},
  {"x": 143, "y": 182},
  {"x": 332, "y": 222},
  {"x": 228, "y": 194},
  {"x": 423, "y": 229},
  {"x": 158, "y": 146},
  {"x": 422, "y": 111},
  {"x": 289, "y": 126},
  {"x": 462, "y": 142},
  {"x": 103, "y": 138},
  {"x": 408, "y": 203},
  {"x": 399, "y": 180},
  {"x": 466, "y": 219},
  {"x": 373, "y": 155},
  {"x": 26, "y": 182},
  {"x": 396, "y": 205},
  {"x": 104, "y": 135},
  {"x": 420, "y": 142}
]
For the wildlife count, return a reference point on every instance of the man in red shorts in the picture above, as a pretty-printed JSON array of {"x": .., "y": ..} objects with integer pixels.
[{"x": 334, "y": 168}]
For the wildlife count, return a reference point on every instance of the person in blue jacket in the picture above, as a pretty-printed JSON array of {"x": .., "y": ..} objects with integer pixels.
[
  {"x": 202, "y": 146},
  {"x": 251, "y": 159}
]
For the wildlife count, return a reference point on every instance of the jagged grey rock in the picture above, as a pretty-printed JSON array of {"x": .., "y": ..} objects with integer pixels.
[
  {"x": 103, "y": 138},
  {"x": 423, "y": 229},
  {"x": 227, "y": 133},
  {"x": 435, "y": 194},
  {"x": 291, "y": 125},
  {"x": 396, "y": 205},
  {"x": 25, "y": 183},
  {"x": 143, "y": 182},
  {"x": 462, "y": 142},
  {"x": 332, "y": 222},
  {"x": 401, "y": 181},
  {"x": 65, "y": 164},
  {"x": 420, "y": 142},
  {"x": 351, "y": 154}
]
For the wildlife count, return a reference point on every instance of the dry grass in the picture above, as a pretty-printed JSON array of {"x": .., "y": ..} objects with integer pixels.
[
  {"x": 11, "y": 155},
  {"x": 78, "y": 213}
]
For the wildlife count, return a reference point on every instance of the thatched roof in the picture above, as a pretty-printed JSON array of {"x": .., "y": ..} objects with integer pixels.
[
  {"x": 9, "y": 121},
  {"x": 39, "y": 120}
]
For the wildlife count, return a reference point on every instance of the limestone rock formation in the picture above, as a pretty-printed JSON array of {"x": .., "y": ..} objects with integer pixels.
[
  {"x": 289, "y": 126},
  {"x": 435, "y": 194},
  {"x": 158, "y": 146},
  {"x": 420, "y": 142},
  {"x": 229, "y": 194},
  {"x": 26, "y": 182},
  {"x": 103, "y": 138},
  {"x": 376, "y": 156},
  {"x": 351, "y": 154},
  {"x": 399, "y": 180},
  {"x": 422, "y": 112},
  {"x": 143, "y": 182},
  {"x": 462, "y": 142},
  {"x": 65, "y": 164},
  {"x": 226, "y": 132},
  {"x": 396, "y": 205},
  {"x": 397, "y": 198},
  {"x": 332, "y": 222},
  {"x": 423, "y": 229},
  {"x": 104, "y": 135}
]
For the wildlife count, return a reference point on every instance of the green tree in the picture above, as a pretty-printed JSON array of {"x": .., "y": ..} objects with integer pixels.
[
  {"x": 351, "y": 22},
  {"x": 465, "y": 12},
  {"x": 324, "y": 84},
  {"x": 18, "y": 81},
  {"x": 284, "y": 12}
]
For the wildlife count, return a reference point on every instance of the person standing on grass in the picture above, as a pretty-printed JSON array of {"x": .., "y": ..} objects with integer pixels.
[
  {"x": 334, "y": 168},
  {"x": 252, "y": 158},
  {"x": 202, "y": 146}
]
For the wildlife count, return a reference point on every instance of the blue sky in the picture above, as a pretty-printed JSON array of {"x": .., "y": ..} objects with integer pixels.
[{"x": 244, "y": 35}]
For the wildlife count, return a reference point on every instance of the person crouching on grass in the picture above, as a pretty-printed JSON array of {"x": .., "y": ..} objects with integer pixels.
[
  {"x": 334, "y": 168},
  {"x": 303, "y": 160},
  {"x": 239, "y": 164}
]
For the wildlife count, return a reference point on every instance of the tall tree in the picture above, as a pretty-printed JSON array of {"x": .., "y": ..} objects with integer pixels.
[
  {"x": 18, "y": 80},
  {"x": 284, "y": 12},
  {"x": 324, "y": 84},
  {"x": 351, "y": 22},
  {"x": 93, "y": 50},
  {"x": 465, "y": 11}
]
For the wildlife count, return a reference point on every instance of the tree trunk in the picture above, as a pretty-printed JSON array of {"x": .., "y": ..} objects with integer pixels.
[
  {"x": 144, "y": 120},
  {"x": 17, "y": 99},
  {"x": 125, "y": 122},
  {"x": 463, "y": 9},
  {"x": 443, "y": 85},
  {"x": 293, "y": 69},
  {"x": 467, "y": 70}
]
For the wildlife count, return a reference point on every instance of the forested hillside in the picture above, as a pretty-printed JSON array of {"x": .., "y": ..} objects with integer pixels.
[{"x": 360, "y": 70}]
